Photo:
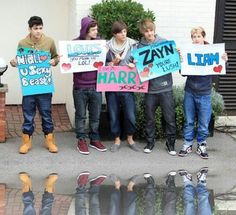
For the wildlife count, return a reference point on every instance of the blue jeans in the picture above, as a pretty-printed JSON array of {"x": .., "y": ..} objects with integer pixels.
[
  {"x": 44, "y": 104},
  {"x": 166, "y": 102},
  {"x": 28, "y": 200},
  {"x": 83, "y": 99},
  {"x": 129, "y": 203},
  {"x": 117, "y": 101},
  {"x": 202, "y": 194},
  {"x": 80, "y": 201},
  {"x": 196, "y": 106}
]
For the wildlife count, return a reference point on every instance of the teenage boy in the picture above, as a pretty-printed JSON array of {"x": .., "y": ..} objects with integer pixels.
[
  {"x": 159, "y": 94},
  {"x": 197, "y": 103},
  {"x": 85, "y": 96},
  {"x": 38, "y": 41}
]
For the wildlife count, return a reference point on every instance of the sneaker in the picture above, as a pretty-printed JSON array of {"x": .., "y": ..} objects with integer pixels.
[
  {"x": 82, "y": 179},
  {"x": 96, "y": 144},
  {"x": 148, "y": 148},
  {"x": 185, "y": 150},
  {"x": 202, "y": 174},
  {"x": 82, "y": 147},
  {"x": 171, "y": 148},
  {"x": 185, "y": 175},
  {"x": 201, "y": 151},
  {"x": 148, "y": 177},
  {"x": 135, "y": 147},
  {"x": 115, "y": 147},
  {"x": 98, "y": 180}
]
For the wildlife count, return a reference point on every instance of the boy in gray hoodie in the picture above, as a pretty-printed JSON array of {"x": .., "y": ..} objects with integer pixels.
[{"x": 159, "y": 93}]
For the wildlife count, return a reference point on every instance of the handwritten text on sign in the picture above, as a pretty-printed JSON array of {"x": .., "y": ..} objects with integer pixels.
[
  {"x": 119, "y": 78},
  {"x": 82, "y": 55},
  {"x": 203, "y": 59},
  {"x": 156, "y": 60},
  {"x": 35, "y": 72}
]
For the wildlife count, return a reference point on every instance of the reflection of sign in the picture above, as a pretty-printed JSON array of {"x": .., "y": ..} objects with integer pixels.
[
  {"x": 35, "y": 72},
  {"x": 119, "y": 78},
  {"x": 82, "y": 55},
  {"x": 156, "y": 60},
  {"x": 203, "y": 59}
]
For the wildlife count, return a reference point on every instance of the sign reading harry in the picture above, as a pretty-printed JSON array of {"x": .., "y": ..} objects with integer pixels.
[
  {"x": 82, "y": 55},
  {"x": 35, "y": 72},
  {"x": 119, "y": 78},
  {"x": 156, "y": 60},
  {"x": 203, "y": 59}
]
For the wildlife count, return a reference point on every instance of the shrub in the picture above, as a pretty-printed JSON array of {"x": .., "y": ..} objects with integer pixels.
[{"x": 109, "y": 11}]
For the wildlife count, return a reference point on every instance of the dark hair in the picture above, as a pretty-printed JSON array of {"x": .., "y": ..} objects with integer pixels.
[
  {"x": 91, "y": 25},
  {"x": 35, "y": 20},
  {"x": 118, "y": 26}
]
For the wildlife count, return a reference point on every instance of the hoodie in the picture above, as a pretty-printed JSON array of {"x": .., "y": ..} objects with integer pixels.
[
  {"x": 85, "y": 79},
  {"x": 160, "y": 84}
]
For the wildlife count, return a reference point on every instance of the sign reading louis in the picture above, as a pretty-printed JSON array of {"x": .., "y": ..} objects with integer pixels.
[
  {"x": 203, "y": 59},
  {"x": 82, "y": 55},
  {"x": 34, "y": 70},
  {"x": 156, "y": 60}
]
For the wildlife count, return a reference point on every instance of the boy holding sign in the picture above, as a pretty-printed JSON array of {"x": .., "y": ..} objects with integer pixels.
[
  {"x": 197, "y": 103},
  {"x": 159, "y": 93},
  {"x": 36, "y": 40}
]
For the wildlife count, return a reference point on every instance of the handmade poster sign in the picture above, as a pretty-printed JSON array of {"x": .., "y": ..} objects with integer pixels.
[
  {"x": 203, "y": 59},
  {"x": 81, "y": 55},
  {"x": 35, "y": 71},
  {"x": 156, "y": 60},
  {"x": 119, "y": 78}
]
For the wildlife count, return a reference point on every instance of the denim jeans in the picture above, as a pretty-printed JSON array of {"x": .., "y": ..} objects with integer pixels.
[
  {"x": 43, "y": 103},
  {"x": 28, "y": 200},
  {"x": 83, "y": 99},
  {"x": 196, "y": 106},
  {"x": 150, "y": 199},
  {"x": 117, "y": 101},
  {"x": 202, "y": 194},
  {"x": 129, "y": 202},
  {"x": 80, "y": 201},
  {"x": 166, "y": 102}
]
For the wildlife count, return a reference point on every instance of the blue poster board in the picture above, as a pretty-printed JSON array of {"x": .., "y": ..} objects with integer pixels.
[
  {"x": 156, "y": 60},
  {"x": 35, "y": 71}
]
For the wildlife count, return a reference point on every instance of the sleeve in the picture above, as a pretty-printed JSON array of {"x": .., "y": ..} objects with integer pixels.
[{"x": 53, "y": 52}]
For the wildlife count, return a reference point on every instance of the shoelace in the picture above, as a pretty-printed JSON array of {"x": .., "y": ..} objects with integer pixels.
[
  {"x": 202, "y": 176},
  {"x": 203, "y": 148}
]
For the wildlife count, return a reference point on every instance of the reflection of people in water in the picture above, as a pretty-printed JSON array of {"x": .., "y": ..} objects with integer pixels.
[
  {"x": 93, "y": 191},
  {"x": 200, "y": 190},
  {"x": 129, "y": 197},
  {"x": 28, "y": 196},
  {"x": 170, "y": 198}
]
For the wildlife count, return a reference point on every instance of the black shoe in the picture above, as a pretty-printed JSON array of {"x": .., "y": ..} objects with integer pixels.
[
  {"x": 202, "y": 151},
  {"x": 185, "y": 150},
  {"x": 185, "y": 175},
  {"x": 148, "y": 177},
  {"x": 171, "y": 147},
  {"x": 148, "y": 148},
  {"x": 202, "y": 174}
]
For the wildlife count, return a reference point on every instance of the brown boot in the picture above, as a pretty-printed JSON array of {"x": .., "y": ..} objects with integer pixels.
[
  {"x": 25, "y": 178},
  {"x": 26, "y": 144},
  {"x": 50, "y": 182},
  {"x": 50, "y": 143}
]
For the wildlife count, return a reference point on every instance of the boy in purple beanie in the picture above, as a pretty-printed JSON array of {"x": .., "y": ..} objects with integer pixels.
[{"x": 85, "y": 95}]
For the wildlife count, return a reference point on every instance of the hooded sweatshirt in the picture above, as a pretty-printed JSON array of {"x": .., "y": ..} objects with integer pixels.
[
  {"x": 85, "y": 79},
  {"x": 160, "y": 84}
]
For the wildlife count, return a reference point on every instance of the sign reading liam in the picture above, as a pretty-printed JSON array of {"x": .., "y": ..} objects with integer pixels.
[
  {"x": 35, "y": 72},
  {"x": 156, "y": 60},
  {"x": 82, "y": 55},
  {"x": 203, "y": 59},
  {"x": 119, "y": 78}
]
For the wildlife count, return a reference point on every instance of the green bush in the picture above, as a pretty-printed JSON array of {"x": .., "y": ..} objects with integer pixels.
[
  {"x": 109, "y": 11},
  {"x": 178, "y": 93}
]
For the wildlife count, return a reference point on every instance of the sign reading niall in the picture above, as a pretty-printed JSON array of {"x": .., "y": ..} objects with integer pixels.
[
  {"x": 34, "y": 70},
  {"x": 81, "y": 55},
  {"x": 119, "y": 78},
  {"x": 203, "y": 59},
  {"x": 156, "y": 60}
]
